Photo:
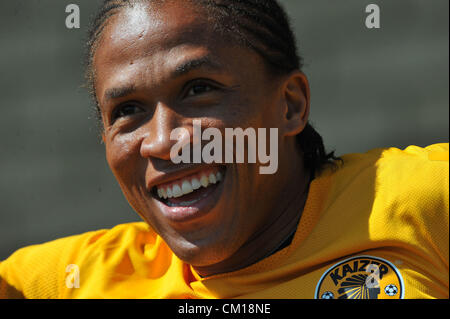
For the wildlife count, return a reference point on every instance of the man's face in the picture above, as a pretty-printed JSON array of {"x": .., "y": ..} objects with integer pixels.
[{"x": 160, "y": 68}]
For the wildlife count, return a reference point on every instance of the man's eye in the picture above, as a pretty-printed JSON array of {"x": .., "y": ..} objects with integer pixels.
[
  {"x": 126, "y": 110},
  {"x": 200, "y": 88}
]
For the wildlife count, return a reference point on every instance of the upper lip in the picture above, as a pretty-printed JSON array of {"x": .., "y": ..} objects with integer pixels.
[{"x": 177, "y": 173}]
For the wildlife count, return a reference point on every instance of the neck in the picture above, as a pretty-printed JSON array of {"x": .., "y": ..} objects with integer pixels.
[{"x": 269, "y": 239}]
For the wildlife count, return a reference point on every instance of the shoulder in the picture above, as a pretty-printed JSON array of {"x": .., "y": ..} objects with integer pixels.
[
  {"x": 400, "y": 195},
  {"x": 414, "y": 178},
  {"x": 414, "y": 161},
  {"x": 37, "y": 271},
  {"x": 412, "y": 170},
  {"x": 397, "y": 191},
  {"x": 416, "y": 174},
  {"x": 412, "y": 188},
  {"x": 77, "y": 244}
]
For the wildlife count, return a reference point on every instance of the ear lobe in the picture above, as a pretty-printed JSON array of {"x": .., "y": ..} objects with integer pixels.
[{"x": 296, "y": 95}]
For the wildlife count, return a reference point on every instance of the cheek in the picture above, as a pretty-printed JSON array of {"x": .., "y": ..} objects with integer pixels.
[
  {"x": 255, "y": 110},
  {"x": 122, "y": 154}
]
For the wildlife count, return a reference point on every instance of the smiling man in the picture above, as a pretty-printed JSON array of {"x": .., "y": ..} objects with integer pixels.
[
  {"x": 164, "y": 68},
  {"x": 371, "y": 225}
]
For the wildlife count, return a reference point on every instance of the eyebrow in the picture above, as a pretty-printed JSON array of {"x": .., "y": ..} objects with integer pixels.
[
  {"x": 182, "y": 69},
  {"x": 115, "y": 93},
  {"x": 191, "y": 65}
]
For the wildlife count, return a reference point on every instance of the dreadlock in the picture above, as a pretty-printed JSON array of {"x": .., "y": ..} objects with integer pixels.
[{"x": 260, "y": 25}]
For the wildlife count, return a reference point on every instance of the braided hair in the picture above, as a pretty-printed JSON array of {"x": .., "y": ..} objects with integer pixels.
[{"x": 260, "y": 25}]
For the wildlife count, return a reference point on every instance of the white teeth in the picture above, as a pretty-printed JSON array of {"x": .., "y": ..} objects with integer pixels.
[
  {"x": 204, "y": 181},
  {"x": 176, "y": 191},
  {"x": 195, "y": 184},
  {"x": 189, "y": 186}
]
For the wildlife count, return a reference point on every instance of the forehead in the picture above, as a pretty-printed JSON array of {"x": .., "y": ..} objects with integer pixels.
[
  {"x": 151, "y": 29},
  {"x": 163, "y": 24},
  {"x": 154, "y": 37},
  {"x": 143, "y": 44}
]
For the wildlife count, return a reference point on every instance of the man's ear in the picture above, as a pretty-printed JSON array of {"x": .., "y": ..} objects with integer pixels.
[{"x": 296, "y": 96}]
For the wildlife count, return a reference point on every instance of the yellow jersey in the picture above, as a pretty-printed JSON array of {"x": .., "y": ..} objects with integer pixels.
[{"x": 377, "y": 227}]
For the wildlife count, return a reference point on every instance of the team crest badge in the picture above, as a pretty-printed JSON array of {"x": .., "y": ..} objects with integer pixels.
[{"x": 361, "y": 277}]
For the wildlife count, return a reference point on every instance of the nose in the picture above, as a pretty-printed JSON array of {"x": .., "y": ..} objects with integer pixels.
[{"x": 157, "y": 142}]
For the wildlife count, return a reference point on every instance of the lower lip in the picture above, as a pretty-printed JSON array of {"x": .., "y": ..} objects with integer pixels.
[{"x": 182, "y": 214}]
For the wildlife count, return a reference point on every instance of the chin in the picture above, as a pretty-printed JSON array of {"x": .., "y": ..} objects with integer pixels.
[{"x": 202, "y": 254}]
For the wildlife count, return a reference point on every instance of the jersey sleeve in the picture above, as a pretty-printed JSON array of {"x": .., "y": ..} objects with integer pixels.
[
  {"x": 427, "y": 190},
  {"x": 414, "y": 196},
  {"x": 436, "y": 209},
  {"x": 40, "y": 271}
]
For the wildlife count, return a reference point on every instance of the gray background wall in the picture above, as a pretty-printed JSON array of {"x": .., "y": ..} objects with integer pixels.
[{"x": 370, "y": 88}]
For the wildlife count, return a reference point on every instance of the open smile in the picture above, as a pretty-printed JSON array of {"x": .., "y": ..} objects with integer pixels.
[{"x": 191, "y": 196}]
